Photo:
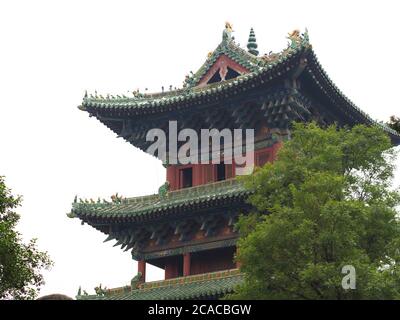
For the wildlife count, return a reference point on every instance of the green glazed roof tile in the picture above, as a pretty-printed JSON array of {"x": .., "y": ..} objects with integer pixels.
[
  {"x": 190, "y": 287},
  {"x": 262, "y": 69},
  {"x": 146, "y": 101},
  {"x": 141, "y": 206}
]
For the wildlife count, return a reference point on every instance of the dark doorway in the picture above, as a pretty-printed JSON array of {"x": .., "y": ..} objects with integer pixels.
[
  {"x": 187, "y": 178},
  {"x": 221, "y": 171}
]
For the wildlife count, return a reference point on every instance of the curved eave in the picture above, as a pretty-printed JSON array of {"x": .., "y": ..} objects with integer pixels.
[
  {"x": 89, "y": 215},
  {"x": 338, "y": 99}
]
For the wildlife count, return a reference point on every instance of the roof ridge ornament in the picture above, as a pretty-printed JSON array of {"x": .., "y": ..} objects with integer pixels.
[
  {"x": 252, "y": 43},
  {"x": 227, "y": 33},
  {"x": 298, "y": 39}
]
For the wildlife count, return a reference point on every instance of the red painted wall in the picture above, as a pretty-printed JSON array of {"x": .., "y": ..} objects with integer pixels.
[
  {"x": 173, "y": 267},
  {"x": 199, "y": 262},
  {"x": 212, "y": 260},
  {"x": 206, "y": 173}
]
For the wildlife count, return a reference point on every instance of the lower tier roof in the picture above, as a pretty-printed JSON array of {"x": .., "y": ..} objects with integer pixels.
[
  {"x": 200, "y": 286},
  {"x": 157, "y": 205}
]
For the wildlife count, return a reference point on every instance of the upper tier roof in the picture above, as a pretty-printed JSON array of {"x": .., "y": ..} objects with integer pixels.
[
  {"x": 259, "y": 72},
  {"x": 256, "y": 66}
]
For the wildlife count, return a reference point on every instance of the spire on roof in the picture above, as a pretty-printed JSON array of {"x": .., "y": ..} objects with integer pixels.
[{"x": 252, "y": 43}]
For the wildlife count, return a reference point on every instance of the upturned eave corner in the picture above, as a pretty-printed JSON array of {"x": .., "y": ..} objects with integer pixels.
[
  {"x": 71, "y": 215},
  {"x": 82, "y": 107}
]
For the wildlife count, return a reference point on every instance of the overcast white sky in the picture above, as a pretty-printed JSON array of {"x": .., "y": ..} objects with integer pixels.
[{"x": 51, "y": 51}]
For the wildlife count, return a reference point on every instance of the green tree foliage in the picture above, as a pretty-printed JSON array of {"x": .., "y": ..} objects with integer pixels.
[
  {"x": 326, "y": 202},
  {"x": 20, "y": 263}
]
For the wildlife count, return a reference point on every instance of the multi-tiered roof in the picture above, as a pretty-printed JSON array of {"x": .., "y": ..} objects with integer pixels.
[{"x": 252, "y": 92}]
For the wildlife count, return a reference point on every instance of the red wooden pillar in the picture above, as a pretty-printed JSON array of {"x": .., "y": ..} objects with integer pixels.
[
  {"x": 186, "y": 264},
  {"x": 142, "y": 269},
  {"x": 196, "y": 174},
  {"x": 229, "y": 171},
  {"x": 203, "y": 172},
  {"x": 171, "y": 177}
]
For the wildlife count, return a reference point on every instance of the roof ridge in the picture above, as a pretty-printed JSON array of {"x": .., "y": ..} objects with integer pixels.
[{"x": 262, "y": 63}]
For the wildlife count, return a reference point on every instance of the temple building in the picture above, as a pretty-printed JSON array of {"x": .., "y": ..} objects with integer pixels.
[{"x": 187, "y": 228}]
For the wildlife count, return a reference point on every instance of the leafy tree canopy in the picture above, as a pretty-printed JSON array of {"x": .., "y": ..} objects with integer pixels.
[
  {"x": 20, "y": 263},
  {"x": 325, "y": 203}
]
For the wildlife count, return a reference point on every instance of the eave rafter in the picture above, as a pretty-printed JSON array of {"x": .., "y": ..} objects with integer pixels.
[
  {"x": 137, "y": 238},
  {"x": 186, "y": 229},
  {"x": 161, "y": 233}
]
